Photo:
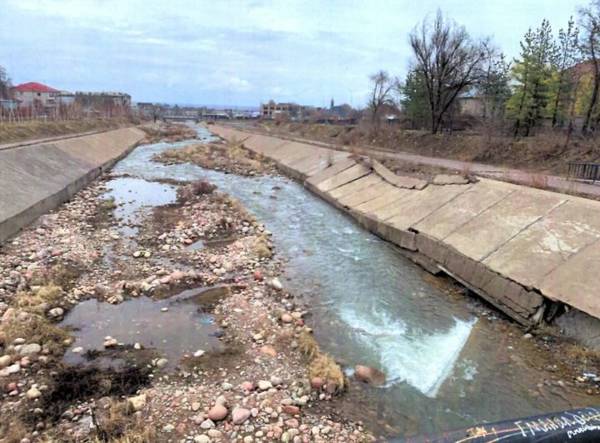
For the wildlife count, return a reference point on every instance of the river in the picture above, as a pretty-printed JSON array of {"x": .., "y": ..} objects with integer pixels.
[{"x": 447, "y": 365}]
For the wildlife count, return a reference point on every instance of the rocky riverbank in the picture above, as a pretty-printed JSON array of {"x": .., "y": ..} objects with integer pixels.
[{"x": 265, "y": 379}]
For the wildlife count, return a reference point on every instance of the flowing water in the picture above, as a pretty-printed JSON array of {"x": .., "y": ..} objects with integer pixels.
[{"x": 445, "y": 367}]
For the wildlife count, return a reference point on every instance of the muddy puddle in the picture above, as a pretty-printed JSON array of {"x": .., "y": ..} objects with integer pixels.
[
  {"x": 171, "y": 328},
  {"x": 447, "y": 366}
]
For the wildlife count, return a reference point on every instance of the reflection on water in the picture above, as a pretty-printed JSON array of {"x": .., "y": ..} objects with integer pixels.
[
  {"x": 371, "y": 306},
  {"x": 172, "y": 327},
  {"x": 132, "y": 195}
]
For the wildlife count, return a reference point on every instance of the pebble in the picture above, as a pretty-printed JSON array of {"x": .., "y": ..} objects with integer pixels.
[
  {"x": 276, "y": 284},
  {"x": 137, "y": 403},
  {"x": 30, "y": 349},
  {"x": 5, "y": 361},
  {"x": 199, "y": 353},
  {"x": 239, "y": 415},
  {"x": 33, "y": 393},
  {"x": 218, "y": 412},
  {"x": 207, "y": 424},
  {"x": 201, "y": 439},
  {"x": 263, "y": 385},
  {"x": 161, "y": 363}
]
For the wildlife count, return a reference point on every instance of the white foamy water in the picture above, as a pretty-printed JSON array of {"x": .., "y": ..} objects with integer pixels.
[{"x": 423, "y": 360}]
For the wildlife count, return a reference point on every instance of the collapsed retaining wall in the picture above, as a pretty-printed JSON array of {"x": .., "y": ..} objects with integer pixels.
[
  {"x": 37, "y": 178},
  {"x": 517, "y": 247}
]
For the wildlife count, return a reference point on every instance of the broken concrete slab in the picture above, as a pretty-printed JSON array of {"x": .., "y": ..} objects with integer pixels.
[
  {"x": 397, "y": 180},
  {"x": 450, "y": 179}
]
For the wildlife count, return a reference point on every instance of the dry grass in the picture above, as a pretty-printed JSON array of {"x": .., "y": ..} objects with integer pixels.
[
  {"x": 231, "y": 156},
  {"x": 262, "y": 247},
  {"x": 197, "y": 188},
  {"x": 118, "y": 425},
  {"x": 34, "y": 329},
  {"x": 12, "y": 429},
  {"x": 544, "y": 152},
  {"x": 39, "y": 300},
  {"x": 321, "y": 365},
  {"x": 18, "y": 131}
]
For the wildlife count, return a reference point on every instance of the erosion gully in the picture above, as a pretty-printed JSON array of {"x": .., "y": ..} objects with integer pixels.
[{"x": 449, "y": 362}]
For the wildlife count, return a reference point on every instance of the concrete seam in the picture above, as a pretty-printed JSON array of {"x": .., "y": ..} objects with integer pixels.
[
  {"x": 589, "y": 245},
  {"x": 479, "y": 213},
  {"x": 521, "y": 230},
  {"x": 438, "y": 208}
]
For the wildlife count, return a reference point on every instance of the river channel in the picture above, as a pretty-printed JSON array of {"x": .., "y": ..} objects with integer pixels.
[{"x": 447, "y": 365}]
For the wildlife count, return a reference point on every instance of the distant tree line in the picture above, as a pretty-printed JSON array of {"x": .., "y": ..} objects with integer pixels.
[{"x": 554, "y": 81}]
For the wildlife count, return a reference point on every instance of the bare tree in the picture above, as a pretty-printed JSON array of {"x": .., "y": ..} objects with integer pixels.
[
  {"x": 381, "y": 94},
  {"x": 448, "y": 60}
]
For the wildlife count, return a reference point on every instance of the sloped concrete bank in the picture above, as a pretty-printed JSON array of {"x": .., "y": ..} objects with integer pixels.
[
  {"x": 522, "y": 249},
  {"x": 37, "y": 178}
]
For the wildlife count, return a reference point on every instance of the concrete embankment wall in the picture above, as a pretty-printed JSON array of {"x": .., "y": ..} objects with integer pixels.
[
  {"x": 517, "y": 247},
  {"x": 37, "y": 178}
]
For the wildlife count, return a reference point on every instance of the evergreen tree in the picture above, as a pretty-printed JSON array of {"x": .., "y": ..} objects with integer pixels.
[
  {"x": 532, "y": 73},
  {"x": 414, "y": 99},
  {"x": 562, "y": 81}
]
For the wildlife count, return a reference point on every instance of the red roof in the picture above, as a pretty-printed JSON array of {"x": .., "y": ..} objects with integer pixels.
[{"x": 34, "y": 87}]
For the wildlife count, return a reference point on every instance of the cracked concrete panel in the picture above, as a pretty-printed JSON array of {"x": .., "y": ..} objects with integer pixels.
[
  {"x": 422, "y": 203},
  {"x": 536, "y": 251},
  {"x": 488, "y": 231},
  {"x": 355, "y": 186},
  {"x": 365, "y": 195},
  {"x": 389, "y": 197},
  {"x": 346, "y": 176},
  {"x": 331, "y": 171},
  {"x": 576, "y": 281},
  {"x": 311, "y": 165},
  {"x": 445, "y": 220}
]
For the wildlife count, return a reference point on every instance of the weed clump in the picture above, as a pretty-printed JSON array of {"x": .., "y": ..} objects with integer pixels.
[
  {"x": 115, "y": 424},
  {"x": 34, "y": 329},
  {"x": 194, "y": 189},
  {"x": 262, "y": 248},
  {"x": 321, "y": 365}
]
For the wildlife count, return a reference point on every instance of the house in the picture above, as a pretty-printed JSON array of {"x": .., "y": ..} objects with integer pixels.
[
  {"x": 471, "y": 105},
  {"x": 35, "y": 94},
  {"x": 273, "y": 110}
]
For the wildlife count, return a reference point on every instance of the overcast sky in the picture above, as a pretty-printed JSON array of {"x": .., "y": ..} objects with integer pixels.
[{"x": 238, "y": 52}]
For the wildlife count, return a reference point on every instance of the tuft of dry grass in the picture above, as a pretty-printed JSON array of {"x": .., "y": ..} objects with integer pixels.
[
  {"x": 321, "y": 365},
  {"x": 12, "y": 429},
  {"x": 118, "y": 425},
  {"x": 34, "y": 329},
  {"x": 197, "y": 188},
  {"x": 262, "y": 248}
]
